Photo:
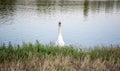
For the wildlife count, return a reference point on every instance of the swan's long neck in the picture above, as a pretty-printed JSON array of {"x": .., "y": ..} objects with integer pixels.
[
  {"x": 59, "y": 29},
  {"x": 60, "y": 41}
]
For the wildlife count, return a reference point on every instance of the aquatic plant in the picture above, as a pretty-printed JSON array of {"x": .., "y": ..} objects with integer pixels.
[{"x": 39, "y": 57}]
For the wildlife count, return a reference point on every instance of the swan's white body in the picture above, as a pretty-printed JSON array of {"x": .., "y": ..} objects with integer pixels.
[{"x": 60, "y": 41}]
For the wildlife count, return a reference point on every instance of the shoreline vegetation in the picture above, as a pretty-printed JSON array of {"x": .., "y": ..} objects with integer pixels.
[{"x": 39, "y": 57}]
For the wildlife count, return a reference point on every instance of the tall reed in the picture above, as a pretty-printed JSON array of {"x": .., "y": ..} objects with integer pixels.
[{"x": 39, "y": 57}]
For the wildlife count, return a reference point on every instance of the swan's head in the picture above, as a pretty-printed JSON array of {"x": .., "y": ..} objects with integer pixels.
[{"x": 59, "y": 24}]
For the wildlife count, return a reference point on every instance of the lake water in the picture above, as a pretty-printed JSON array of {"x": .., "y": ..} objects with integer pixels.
[{"x": 86, "y": 23}]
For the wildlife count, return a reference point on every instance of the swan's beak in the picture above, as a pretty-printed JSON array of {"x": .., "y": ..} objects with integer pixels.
[{"x": 59, "y": 24}]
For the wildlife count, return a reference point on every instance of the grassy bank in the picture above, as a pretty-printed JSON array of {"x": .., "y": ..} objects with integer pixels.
[{"x": 38, "y": 57}]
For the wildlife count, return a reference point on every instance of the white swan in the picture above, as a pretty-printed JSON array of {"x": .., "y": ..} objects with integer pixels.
[{"x": 60, "y": 41}]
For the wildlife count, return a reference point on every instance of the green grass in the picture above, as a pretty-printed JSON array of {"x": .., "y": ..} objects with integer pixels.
[
  {"x": 67, "y": 55},
  {"x": 10, "y": 52},
  {"x": 23, "y": 51}
]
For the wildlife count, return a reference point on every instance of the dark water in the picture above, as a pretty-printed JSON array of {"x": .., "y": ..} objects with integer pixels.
[{"x": 85, "y": 22}]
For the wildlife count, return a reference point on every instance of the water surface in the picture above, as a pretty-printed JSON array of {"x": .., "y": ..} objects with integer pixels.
[{"x": 86, "y": 23}]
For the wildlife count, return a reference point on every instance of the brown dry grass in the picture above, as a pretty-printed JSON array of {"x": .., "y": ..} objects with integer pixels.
[
  {"x": 38, "y": 57},
  {"x": 59, "y": 63}
]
